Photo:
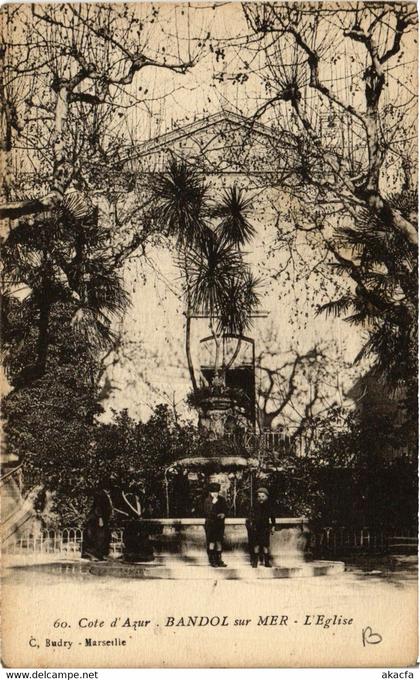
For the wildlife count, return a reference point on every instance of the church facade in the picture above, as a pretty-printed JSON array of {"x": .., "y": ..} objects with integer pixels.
[{"x": 232, "y": 150}]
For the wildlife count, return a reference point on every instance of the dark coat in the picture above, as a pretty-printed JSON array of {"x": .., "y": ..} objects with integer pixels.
[
  {"x": 102, "y": 505},
  {"x": 215, "y": 526},
  {"x": 262, "y": 514},
  {"x": 258, "y": 524},
  {"x": 97, "y": 533}
]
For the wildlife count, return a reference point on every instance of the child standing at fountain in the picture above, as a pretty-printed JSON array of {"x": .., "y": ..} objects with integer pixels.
[
  {"x": 215, "y": 510},
  {"x": 258, "y": 525}
]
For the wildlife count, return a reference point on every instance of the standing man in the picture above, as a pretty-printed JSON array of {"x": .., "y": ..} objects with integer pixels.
[
  {"x": 215, "y": 511},
  {"x": 259, "y": 530},
  {"x": 97, "y": 531}
]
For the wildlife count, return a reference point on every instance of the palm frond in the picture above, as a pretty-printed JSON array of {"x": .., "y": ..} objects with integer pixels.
[
  {"x": 179, "y": 199},
  {"x": 78, "y": 205},
  {"x": 336, "y": 307},
  {"x": 211, "y": 269},
  {"x": 362, "y": 317},
  {"x": 389, "y": 346},
  {"x": 232, "y": 209},
  {"x": 407, "y": 203},
  {"x": 93, "y": 327},
  {"x": 104, "y": 289},
  {"x": 240, "y": 301}
]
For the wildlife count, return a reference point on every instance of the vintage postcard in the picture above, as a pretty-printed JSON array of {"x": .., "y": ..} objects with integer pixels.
[{"x": 209, "y": 334}]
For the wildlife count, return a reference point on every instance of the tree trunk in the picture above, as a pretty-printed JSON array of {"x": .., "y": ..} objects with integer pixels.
[
  {"x": 60, "y": 175},
  {"x": 14, "y": 210},
  {"x": 188, "y": 351},
  {"x": 374, "y": 152},
  {"x": 403, "y": 226},
  {"x": 216, "y": 339},
  {"x": 61, "y": 172},
  {"x": 234, "y": 355}
]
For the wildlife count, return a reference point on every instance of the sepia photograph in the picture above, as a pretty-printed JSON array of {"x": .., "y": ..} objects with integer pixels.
[{"x": 209, "y": 411}]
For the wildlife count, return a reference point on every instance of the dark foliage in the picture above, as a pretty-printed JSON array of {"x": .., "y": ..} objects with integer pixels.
[
  {"x": 209, "y": 236},
  {"x": 384, "y": 298}
]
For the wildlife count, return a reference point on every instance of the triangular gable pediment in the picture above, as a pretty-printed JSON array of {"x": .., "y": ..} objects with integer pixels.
[
  {"x": 205, "y": 124},
  {"x": 223, "y": 142}
]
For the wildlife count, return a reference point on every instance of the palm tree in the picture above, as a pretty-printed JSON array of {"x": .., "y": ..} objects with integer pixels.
[
  {"x": 233, "y": 209},
  {"x": 31, "y": 272},
  {"x": 382, "y": 299},
  {"x": 63, "y": 261},
  {"x": 218, "y": 283},
  {"x": 179, "y": 205}
]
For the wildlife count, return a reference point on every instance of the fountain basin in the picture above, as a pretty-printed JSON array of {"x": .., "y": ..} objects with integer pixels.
[
  {"x": 179, "y": 547},
  {"x": 203, "y": 572},
  {"x": 183, "y": 541}
]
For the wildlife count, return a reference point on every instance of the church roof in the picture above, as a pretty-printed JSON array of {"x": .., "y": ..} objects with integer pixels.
[{"x": 234, "y": 119}]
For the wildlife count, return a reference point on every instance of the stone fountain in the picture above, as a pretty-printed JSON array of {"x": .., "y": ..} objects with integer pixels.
[{"x": 179, "y": 544}]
